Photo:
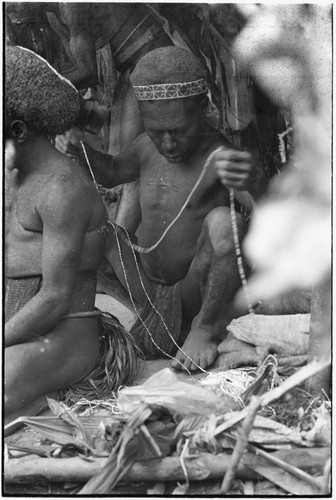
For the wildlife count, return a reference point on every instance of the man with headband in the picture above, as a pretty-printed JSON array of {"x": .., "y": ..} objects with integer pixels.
[
  {"x": 187, "y": 283},
  {"x": 55, "y": 243}
]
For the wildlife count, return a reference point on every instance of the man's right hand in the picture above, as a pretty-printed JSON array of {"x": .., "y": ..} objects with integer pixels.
[{"x": 236, "y": 169}]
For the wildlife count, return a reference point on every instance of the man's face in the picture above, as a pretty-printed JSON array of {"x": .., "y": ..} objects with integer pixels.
[{"x": 174, "y": 126}]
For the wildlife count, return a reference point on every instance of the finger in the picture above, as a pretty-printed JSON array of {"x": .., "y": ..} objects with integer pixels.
[
  {"x": 232, "y": 154},
  {"x": 234, "y": 181},
  {"x": 235, "y": 176},
  {"x": 194, "y": 367},
  {"x": 188, "y": 364},
  {"x": 204, "y": 363},
  {"x": 234, "y": 169}
]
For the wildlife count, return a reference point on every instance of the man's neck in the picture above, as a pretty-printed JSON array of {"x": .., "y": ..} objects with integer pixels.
[{"x": 32, "y": 154}]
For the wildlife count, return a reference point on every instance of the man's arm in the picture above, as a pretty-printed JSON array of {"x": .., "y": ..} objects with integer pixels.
[
  {"x": 110, "y": 171},
  {"x": 65, "y": 222},
  {"x": 71, "y": 22}
]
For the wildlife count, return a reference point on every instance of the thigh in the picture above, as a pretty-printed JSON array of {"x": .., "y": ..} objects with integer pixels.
[{"x": 50, "y": 363}]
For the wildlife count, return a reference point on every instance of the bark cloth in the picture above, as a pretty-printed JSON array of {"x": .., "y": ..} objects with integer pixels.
[{"x": 161, "y": 323}]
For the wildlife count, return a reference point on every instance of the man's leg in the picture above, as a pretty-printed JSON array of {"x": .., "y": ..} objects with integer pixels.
[
  {"x": 208, "y": 290},
  {"x": 50, "y": 363}
]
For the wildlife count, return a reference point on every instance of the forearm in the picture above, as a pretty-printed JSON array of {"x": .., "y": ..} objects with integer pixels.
[
  {"x": 67, "y": 21},
  {"x": 34, "y": 320},
  {"x": 82, "y": 74},
  {"x": 110, "y": 171},
  {"x": 101, "y": 165},
  {"x": 84, "y": 71}
]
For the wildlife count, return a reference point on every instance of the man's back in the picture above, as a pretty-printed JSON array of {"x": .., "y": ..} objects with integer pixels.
[{"x": 46, "y": 197}]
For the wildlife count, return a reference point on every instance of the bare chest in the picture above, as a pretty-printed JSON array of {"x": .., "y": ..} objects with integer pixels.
[
  {"x": 24, "y": 214},
  {"x": 168, "y": 188}
]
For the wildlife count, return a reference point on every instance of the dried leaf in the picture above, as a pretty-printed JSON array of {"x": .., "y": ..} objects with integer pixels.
[
  {"x": 51, "y": 428},
  {"x": 64, "y": 412},
  {"x": 122, "y": 456}
]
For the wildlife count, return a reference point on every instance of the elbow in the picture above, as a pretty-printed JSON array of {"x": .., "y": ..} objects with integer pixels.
[
  {"x": 62, "y": 309},
  {"x": 87, "y": 69},
  {"x": 57, "y": 304}
]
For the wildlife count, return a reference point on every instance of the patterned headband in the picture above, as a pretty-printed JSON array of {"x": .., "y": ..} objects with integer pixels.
[{"x": 170, "y": 90}]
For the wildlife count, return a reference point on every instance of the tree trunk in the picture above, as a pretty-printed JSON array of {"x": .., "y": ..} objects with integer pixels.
[{"x": 32, "y": 469}]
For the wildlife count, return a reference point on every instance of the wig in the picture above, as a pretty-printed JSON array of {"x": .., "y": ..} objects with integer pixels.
[{"x": 37, "y": 94}]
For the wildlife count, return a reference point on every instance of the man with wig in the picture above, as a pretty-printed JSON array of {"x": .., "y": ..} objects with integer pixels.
[
  {"x": 186, "y": 284},
  {"x": 53, "y": 337}
]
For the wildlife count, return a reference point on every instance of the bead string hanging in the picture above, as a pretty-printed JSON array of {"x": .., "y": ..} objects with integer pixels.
[
  {"x": 282, "y": 146},
  {"x": 238, "y": 252}
]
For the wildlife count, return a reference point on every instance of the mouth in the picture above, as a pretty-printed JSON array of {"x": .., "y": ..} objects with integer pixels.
[{"x": 173, "y": 159}]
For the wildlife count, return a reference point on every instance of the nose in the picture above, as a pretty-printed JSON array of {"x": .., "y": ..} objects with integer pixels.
[{"x": 168, "y": 142}]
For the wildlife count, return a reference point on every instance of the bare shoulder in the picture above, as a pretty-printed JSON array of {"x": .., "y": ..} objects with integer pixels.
[
  {"x": 143, "y": 140},
  {"x": 145, "y": 149},
  {"x": 66, "y": 187}
]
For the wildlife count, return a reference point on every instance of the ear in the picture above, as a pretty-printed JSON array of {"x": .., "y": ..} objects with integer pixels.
[{"x": 18, "y": 131}]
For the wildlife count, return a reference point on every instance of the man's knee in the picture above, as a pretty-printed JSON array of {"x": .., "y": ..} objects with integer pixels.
[{"x": 218, "y": 227}]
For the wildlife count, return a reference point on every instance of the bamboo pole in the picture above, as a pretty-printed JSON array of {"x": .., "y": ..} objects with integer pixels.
[
  {"x": 33, "y": 469},
  {"x": 320, "y": 337},
  {"x": 240, "y": 444},
  {"x": 292, "y": 469}
]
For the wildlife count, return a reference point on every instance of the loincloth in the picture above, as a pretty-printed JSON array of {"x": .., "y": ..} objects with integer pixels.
[
  {"x": 19, "y": 291},
  {"x": 167, "y": 300}
]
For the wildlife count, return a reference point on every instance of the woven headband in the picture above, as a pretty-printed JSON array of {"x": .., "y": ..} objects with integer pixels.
[{"x": 169, "y": 90}]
